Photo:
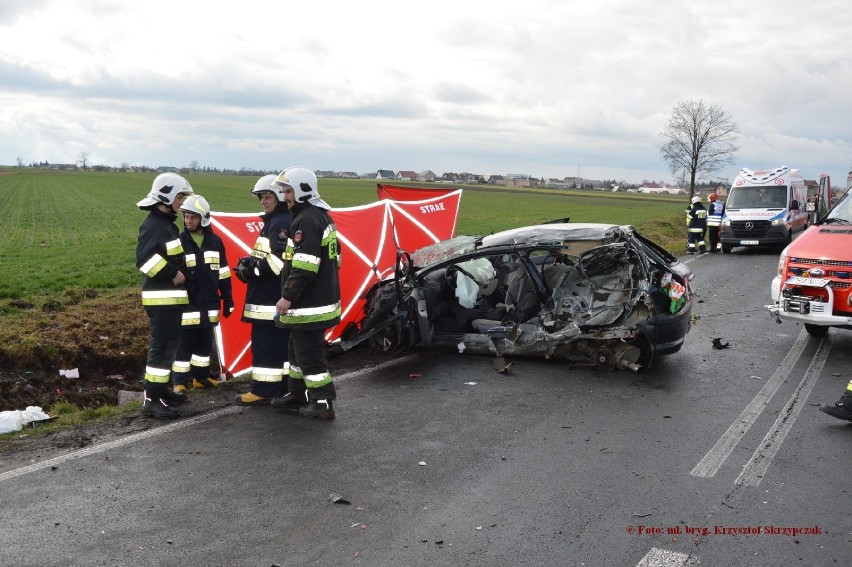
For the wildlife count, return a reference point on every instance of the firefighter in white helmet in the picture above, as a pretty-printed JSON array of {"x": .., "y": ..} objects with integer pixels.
[
  {"x": 261, "y": 272},
  {"x": 696, "y": 219},
  {"x": 310, "y": 295},
  {"x": 159, "y": 256},
  {"x": 209, "y": 287}
]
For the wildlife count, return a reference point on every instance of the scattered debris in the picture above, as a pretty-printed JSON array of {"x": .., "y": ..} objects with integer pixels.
[
  {"x": 470, "y": 383},
  {"x": 15, "y": 420},
  {"x": 338, "y": 499},
  {"x": 422, "y": 463},
  {"x": 72, "y": 373},
  {"x": 500, "y": 365},
  {"x": 717, "y": 343},
  {"x": 127, "y": 396}
]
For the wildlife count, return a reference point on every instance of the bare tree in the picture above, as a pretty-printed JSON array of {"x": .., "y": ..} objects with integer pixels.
[
  {"x": 700, "y": 139},
  {"x": 83, "y": 160},
  {"x": 193, "y": 166}
]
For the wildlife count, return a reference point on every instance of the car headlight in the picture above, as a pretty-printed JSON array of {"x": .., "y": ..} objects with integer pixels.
[
  {"x": 782, "y": 261},
  {"x": 777, "y": 222},
  {"x": 726, "y": 222}
]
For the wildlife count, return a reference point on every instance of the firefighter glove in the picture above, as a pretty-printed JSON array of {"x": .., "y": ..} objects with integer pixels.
[
  {"x": 246, "y": 269},
  {"x": 227, "y": 307}
]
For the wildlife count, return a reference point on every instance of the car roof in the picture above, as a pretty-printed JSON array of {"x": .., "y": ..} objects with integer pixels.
[{"x": 564, "y": 231}]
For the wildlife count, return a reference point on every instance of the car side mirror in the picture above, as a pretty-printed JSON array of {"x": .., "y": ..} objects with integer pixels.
[{"x": 794, "y": 205}]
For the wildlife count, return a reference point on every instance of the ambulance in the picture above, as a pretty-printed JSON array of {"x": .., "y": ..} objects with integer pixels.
[{"x": 764, "y": 208}]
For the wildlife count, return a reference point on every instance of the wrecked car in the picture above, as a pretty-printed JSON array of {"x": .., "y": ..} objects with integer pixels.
[{"x": 599, "y": 295}]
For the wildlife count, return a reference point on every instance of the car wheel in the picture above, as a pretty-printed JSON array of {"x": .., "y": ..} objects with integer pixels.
[
  {"x": 816, "y": 330},
  {"x": 726, "y": 248}
]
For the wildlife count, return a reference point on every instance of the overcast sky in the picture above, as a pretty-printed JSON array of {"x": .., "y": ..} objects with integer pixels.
[{"x": 549, "y": 88}]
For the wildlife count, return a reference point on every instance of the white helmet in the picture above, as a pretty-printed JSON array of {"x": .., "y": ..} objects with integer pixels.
[
  {"x": 304, "y": 184},
  {"x": 165, "y": 188},
  {"x": 198, "y": 205},
  {"x": 696, "y": 199},
  {"x": 267, "y": 183}
]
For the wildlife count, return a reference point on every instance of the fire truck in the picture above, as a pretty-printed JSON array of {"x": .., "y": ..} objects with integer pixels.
[{"x": 813, "y": 284}]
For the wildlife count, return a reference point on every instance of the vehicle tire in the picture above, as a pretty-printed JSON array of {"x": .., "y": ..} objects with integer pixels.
[
  {"x": 726, "y": 248},
  {"x": 816, "y": 330}
]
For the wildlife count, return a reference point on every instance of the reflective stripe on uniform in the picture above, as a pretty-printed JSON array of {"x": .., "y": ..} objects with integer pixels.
[
  {"x": 190, "y": 260},
  {"x": 211, "y": 257},
  {"x": 306, "y": 262},
  {"x": 312, "y": 314},
  {"x": 157, "y": 375},
  {"x": 224, "y": 272},
  {"x": 153, "y": 266},
  {"x": 180, "y": 366},
  {"x": 174, "y": 247},
  {"x": 203, "y": 361},
  {"x": 167, "y": 297},
  {"x": 267, "y": 374},
  {"x": 191, "y": 318},
  {"x": 295, "y": 372},
  {"x": 317, "y": 380},
  {"x": 213, "y": 315},
  {"x": 276, "y": 264},
  {"x": 260, "y": 312}
]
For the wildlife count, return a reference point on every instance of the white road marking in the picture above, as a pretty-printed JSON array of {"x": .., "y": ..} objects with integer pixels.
[
  {"x": 713, "y": 460},
  {"x": 663, "y": 558},
  {"x": 757, "y": 466},
  {"x": 94, "y": 449}
]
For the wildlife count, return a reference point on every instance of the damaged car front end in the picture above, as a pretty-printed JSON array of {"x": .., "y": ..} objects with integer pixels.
[{"x": 599, "y": 295}]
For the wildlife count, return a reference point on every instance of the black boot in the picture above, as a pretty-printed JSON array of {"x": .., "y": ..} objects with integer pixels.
[
  {"x": 173, "y": 398},
  {"x": 838, "y": 410},
  {"x": 319, "y": 409},
  {"x": 290, "y": 401},
  {"x": 158, "y": 408}
]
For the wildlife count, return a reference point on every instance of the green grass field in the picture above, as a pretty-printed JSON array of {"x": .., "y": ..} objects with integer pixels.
[{"x": 78, "y": 229}]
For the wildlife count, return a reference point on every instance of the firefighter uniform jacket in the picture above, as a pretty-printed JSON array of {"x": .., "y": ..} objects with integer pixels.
[
  {"x": 264, "y": 290},
  {"x": 310, "y": 279},
  {"x": 697, "y": 217},
  {"x": 208, "y": 278},
  {"x": 159, "y": 256}
]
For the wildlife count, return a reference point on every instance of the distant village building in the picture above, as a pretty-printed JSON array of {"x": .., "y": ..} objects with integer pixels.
[
  {"x": 385, "y": 174},
  {"x": 405, "y": 175}
]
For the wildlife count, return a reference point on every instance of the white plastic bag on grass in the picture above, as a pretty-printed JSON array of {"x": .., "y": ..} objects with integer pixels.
[{"x": 14, "y": 420}]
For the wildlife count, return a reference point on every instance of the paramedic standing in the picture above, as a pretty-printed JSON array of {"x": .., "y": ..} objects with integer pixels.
[
  {"x": 209, "y": 287},
  {"x": 715, "y": 209},
  {"x": 310, "y": 295},
  {"x": 262, "y": 274},
  {"x": 696, "y": 216},
  {"x": 159, "y": 256}
]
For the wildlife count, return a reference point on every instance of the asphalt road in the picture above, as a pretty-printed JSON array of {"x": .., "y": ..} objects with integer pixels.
[{"x": 714, "y": 457}]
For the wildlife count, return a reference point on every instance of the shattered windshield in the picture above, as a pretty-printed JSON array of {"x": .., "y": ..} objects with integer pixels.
[{"x": 441, "y": 251}]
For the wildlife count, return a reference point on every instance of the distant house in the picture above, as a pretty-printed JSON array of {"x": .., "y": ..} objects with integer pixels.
[
  {"x": 385, "y": 174},
  {"x": 426, "y": 176},
  {"x": 404, "y": 175}
]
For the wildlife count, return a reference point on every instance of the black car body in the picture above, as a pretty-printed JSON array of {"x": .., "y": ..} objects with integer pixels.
[{"x": 598, "y": 294}]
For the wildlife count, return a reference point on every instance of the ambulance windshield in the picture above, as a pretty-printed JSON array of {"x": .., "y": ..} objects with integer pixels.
[{"x": 761, "y": 197}]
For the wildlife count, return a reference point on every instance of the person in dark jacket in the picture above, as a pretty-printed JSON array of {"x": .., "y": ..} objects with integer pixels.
[
  {"x": 209, "y": 287},
  {"x": 262, "y": 274},
  {"x": 159, "y": 256},
  {"x": 310, "y": 296},
  {"x": 696, "y": 218}
]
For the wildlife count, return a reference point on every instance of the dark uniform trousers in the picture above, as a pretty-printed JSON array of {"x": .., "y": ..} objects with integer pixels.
[
  {"x": 307, "y": 357},
  {"x": 163, "y": 345},
  {"x": 195, "y": 342},
  {"x": 268, "y": 350}
]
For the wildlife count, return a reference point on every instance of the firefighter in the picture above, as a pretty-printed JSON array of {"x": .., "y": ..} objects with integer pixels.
[
  {"x": 262, "y": 274},
  {"x": 696, "y": 216},
  {"x": 310, "y": 296},
  {"x": 209, "y": 287},
  {"x": 715, "y": 209},
  {"x": 159, "y": 256},
  {"x": 842, "y": 408}
]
